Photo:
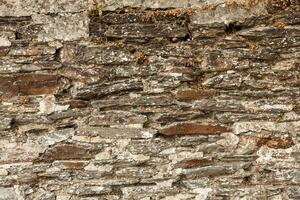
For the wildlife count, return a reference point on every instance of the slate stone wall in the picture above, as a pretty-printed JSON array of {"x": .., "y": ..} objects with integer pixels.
[{"x": 149, "y": 99}]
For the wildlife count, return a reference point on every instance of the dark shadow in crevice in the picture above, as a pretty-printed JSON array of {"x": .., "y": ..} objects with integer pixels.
[{"x": 233, "y": 27}]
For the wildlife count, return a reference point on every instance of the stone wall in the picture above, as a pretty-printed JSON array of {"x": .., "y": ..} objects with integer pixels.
[{"x": 149, "y": 99}]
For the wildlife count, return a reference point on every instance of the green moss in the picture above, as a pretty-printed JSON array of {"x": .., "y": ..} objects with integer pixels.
[
  {"x": 97, "y": 40},
  {"x": 280, "y": 118},
  {"x": 97, "y": 8}
]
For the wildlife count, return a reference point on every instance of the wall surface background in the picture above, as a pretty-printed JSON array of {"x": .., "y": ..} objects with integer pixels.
[{"x": 149, "y": 99}]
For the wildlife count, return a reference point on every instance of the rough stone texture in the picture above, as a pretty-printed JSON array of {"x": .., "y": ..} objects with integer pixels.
[{"x": 149, "y": 99}]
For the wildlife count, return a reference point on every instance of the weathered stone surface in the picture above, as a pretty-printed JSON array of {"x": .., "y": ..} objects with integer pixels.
[
  {"x": 228, "y": 11},
  {"x": 48, "y": 105},
  {"x": 5, "y": 123},
  {"x": 146, "y": 31},
  {"x": 283, "y": 127},
  {"x": 193, "y": 163},
  {"x": 118, "y": 119},
  {"x": 102, "y": 90},
  {"x": 7, "y": 193},
  {"x": 189, "y": 95},
  {"x": 64, "y": 27},
  {"x": 210, "y": 171},
  {"x": 27, "y": 7},
  {"x": 114, "y": 133},
  {"x": 149, "y": 99},
  {"x": 67, "y": 152},
  {"x": 113, "y": 5},
  {"x": 4, "y": 42},
  {"x": 194, "y": 129},
  {"x": 28, "y": 84}
]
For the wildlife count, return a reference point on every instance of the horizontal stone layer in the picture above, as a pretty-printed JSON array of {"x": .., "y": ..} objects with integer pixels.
[{"x": 152, "y": 99}]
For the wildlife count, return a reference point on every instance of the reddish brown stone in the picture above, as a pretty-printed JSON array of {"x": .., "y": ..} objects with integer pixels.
[
  {"x": 7, "y": 86},
  {"x": 297, "y": 107},
  {"x": 27, "y": 179},
  {"x": 77, "y": 104},
  {"x": 74, "y": 165},
  {"x": 194, "y": 129},
  {"x": 67, "y": 152},
  {"x": 24, "y": 99},
  {"x": 276, "y": 143},
  {"x": 280, "y": 143},
  {"x": 189, "y": 95},
  {"x": 21, "y": 179},
  {"x": 193, "y": 163},
  {"x": 28, "y": 84},
  {"x": 4, "y": 51},
  {"x": 37, "y": 84}
]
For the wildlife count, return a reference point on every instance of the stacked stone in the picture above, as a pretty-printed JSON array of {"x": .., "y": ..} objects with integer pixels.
[{"x": 149, "y": 99}]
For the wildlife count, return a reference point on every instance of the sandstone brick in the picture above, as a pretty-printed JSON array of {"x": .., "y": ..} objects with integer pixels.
[{"x": 194, "y": 129}]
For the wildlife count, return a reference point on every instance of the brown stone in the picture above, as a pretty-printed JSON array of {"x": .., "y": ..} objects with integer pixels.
[
  {"x": 4, "y": 51},
  {"x": 27, "y": 179},
  {"x": 28, "y": 84},
  {"x": 77, "y": 104},
  {"x": 67, "y": 152},
  {"x": 74, "y": 165},
  {"x": 185, "y": 164},
  {"x": 189, "y": 95},
  {"x": 24, "y": 99},
  {"x": 21, "y": 179},
  {"x": 276, "y": 143},
  {"x": 67, "y": 53},
  {"x": 194, "y": 129}
]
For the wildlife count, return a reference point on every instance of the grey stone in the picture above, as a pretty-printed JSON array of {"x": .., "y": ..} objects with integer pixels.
[
  {"x": 4, "y": 42},
  {"x": 66, "y": 26},
  {"x": 5, "y": 123},
  {"x": 115, "y": 133},
  {"x": 222, "y": 13},
  {"x": 28, "y": 7},
  {"x": 7, "y": 194},
  {"x": 283, "y": 127},
  {"x": 85, "y": 85},
  {"x": 208, "y": 171},
  {"x": 117, "y": 119}
]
